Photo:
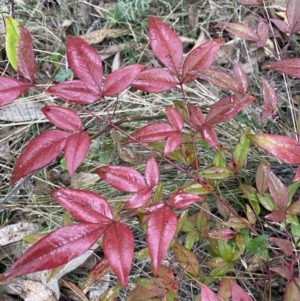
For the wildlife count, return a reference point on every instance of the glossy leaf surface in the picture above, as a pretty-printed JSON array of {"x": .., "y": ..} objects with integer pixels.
[
  {"x": 151, "y": 173},
  {"x": 182, "y": 200},
  {"x": 293, "y": 15},
  {"x": 270, "y": 99},
  {"x": 288, "y": 66},
  {"x": 207, "y": 294},
  {"x": 237, "y": 293},
  {"x": 240, "y": 78},
  {"x": 118, "y": 246},
  {"x": 56, "y": 249},
  {"x": 39, "y": 152}
]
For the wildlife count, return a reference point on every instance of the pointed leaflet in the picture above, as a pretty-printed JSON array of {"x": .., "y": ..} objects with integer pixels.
[
  {"x": 240, "y": 78},
  {"x": 276, "y": 216},
  {"x": 285, "y": 245},
  {"x": 282, "y": 25},
  {"x": 84, "y": 61},
  {"x": 207, "y": 294},
  {"x": 221, "y": 234},
  {"x": 283, "y": 271},
  {"x": 200, "y": 58},
  {"x": 237, "y": 293},
  {"x": 123, "y": 178},
  {"x": 76, "y": 148},
  {"x": 63, "y": 118},
  {"x": 160, "y": 231},
  {"x": 38, "y": 153},
  {"x": 297, "y": 175},
  {"x": 56, "y": 249},
  {"x": 139, "y": 199},
  {"x": 84, "y": 205},
  {"x": 282, "y": 147},
  {"x": 10, "y": 89},
  {"x": 120, "y": 79},
  {"x": 118, "y": 247},
  {"x": 173, "y": 141},
  {"x": 151, "y": 173},
  {"x": 294, "y": 208},
  {"x": 154, "y": 80},
  {"x": 293, "y": 15},
  {"x": 76, "y": 91},
  {"x": 263, "y": 32},
  {"x": 174, "y": 117},
  {"x": 182, "y": 200},
  {"x": 270, "y": 99},
  {"x": 165, "y": 44},
  {"x": 240, "y": 152},
  {"x": 209, "y": 135},
  {"x": 292, "y": 290},
  {"x": 240, "y": 30},
  {"x": 289, "y": 66},
  {"x": 19, "y": 49},
  {"x": 261, "y": 176}
]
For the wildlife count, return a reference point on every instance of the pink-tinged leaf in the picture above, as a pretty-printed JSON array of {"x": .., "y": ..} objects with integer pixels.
[
  {"x": 118, "y": 247},
  {"x": 209, "y": 135},
  {"x": 160, "y": 231},
  {"x": 261, "y": 176},
  {"x": 240, "y": 30},
  {"x": 282, "y": 147},
  {"x": 84, "y": 205},
  {"x": 227, "y": 107},
  {"x": 263, "y": 32},
  {"x": 139, "y": 199},
  {"x": 217, "y": 78},
  {"x": 153, "y": 132},
  {"x": 154, "y": 80},
  {"x": 284, "y": 244},
  {"x": 270, "y": 99},
  {"x": 123, "y": 178},
  {"x": 277, "y": 190},
  {"x": 240, "y": 78},
  {"x": 221, "y": 234},
  {"x": 56, "y": 249},
  {"x": 174, "y": 117},
  {"x": 151, "y": 173},
  {"x": 63, "y": 118},
  {"x": 10, "y": 89},
  {"x": 173, "y": 142},
  {"x": 276, "y": 216},
  {"x": 200, "y": 58},
  {"x": 120, "y": 79},
  {"x": 84, "y": 61},
  {"x": 289, "y": 66},
  {"x": 283, "y": 271},
  {"x": 237, "y": 293},
  {"x": 165, "y": 44},
  {"x": 183, "y": 200},
  {"x": 293, "y": 14},
  {"x": 281, "y": 25},
  {"x": 207, "y": 294},
  {"x": 294, "y": 208},
  {"x": 297, "y": 175},
  {"x": 76, "y": 91},
  {"x": 38, "y": 153},
  {"x": 195, "y": 116},
  {"x": 292, "y": 291},
  {"x": 250, "y": 2},
  {"x": 76, "y": 148}
]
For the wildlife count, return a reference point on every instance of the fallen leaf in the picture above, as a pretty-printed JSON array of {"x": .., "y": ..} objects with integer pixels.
[{"x": 98, "y": 36}]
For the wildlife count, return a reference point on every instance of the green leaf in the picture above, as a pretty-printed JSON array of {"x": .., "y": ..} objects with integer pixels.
[
  {"x": 63, "y": 75},
  {"x": 240, "y": 152},
  {"x": 12, "y": 40}
]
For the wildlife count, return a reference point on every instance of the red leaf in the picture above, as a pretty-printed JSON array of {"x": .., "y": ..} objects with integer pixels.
[
  {"x": 161, "y": 230},
  {"x": 276, "y": 216},
  {"x": 237, "y": 293},
  {"x": 76, "y": 91},
  {"x": 84, "y": 205},
  {"x": 289, "y": 66},
  {"x": 63, "y": 118},
  {"x": 10, "y": 89},
  {"x": 282, "y": 147},
  {"x": 195, "y": 115},
  {"x": 120, "y": 79},
  {"x": 76, "y": 148},
  {"x": 282, "y": 25},
  {"x": 118, "y": 247},
  {"x": 261, "y": 177},
  {"x": 56, "y": 249},
  {"x": 263, "y": 32},
  {"x": 284, "y": 244},
  {"x": 123, "y": 178},
  {"x": 200, "y": 58},
  {"x": 292, "y": 291},
  {"x": 240, "y": 78},
  {"x": 174, "y": 117},
  {"x": 25, "y": 55},
  {"x": 240, "y": 30},
  {"x": 293, "y": 15},
  {"x": 221, "y": 234},
  {"x": 39, "y": 152},
  {"x": 173, "y": 141},
  {"x": 283, "y": 271},
  {"x": 84, "y": 61},
  {"x": 207, "y": 294},
  {"x": 270, "y": 99},
  {"x": 182, "y": 200},
  {"x": 139, "y": 199},
  {"x": 297, "y": 175},
  {"x": 250, "y": 2},
  {"x": 151, "y": 173},
  {"x": 165, "y": 44},
  {"x": 153, "y": 132},
  {"x": 154, "y": 80},
  {"x": 209, "y": 135},
  {"x": 218, "y": 78}
]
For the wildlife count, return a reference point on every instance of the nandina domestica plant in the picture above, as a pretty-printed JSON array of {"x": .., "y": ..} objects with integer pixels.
[{"x": 176, "y": 142}]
